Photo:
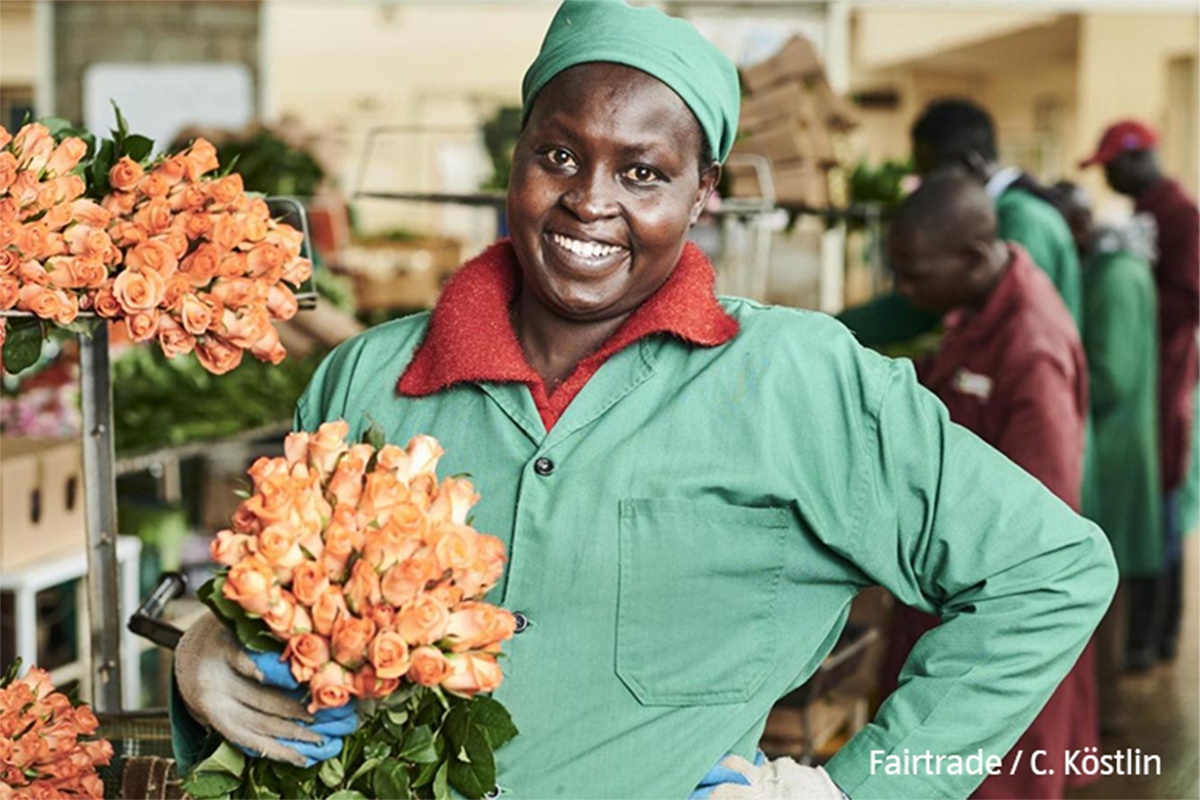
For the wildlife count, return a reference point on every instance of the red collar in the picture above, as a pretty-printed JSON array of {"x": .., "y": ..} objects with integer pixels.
[{"x": 470, "y": 338}]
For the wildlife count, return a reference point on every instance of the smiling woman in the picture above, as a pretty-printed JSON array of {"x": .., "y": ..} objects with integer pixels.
[{"x": 692, "y": 488}]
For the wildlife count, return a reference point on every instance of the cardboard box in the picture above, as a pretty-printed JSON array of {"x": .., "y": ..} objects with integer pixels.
[
  {"x": 41, "y": 500},
  {"x": 796, "y": 184},
  {"x": 400, "y": 274},
  {"x": 791, "y": 99},
  {"x": 796, "y": 59},
  {"x": 786, "y": 140},
  {"x": 831, "y": 107}
]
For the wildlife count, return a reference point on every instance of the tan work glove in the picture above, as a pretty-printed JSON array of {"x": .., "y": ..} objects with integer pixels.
[
  {"x": 223, "y": 688},
  {"x": 778, "y": 779}
]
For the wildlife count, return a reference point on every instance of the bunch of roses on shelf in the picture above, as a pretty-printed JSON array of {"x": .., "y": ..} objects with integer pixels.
[
  {"x": 167, "y": 247},
  {"x": 362, "y": 568},
  {"x": 44, "y": 746}
]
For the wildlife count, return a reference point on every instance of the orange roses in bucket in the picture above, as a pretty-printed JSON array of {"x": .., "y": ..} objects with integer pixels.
[
  {"x": 45, "y": 749},
  {"x": 361, "y": 568}
]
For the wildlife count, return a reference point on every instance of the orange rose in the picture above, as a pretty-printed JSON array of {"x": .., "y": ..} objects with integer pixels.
[
  {"x": 327, "y": 445},
  {"x": 388, "y": 653},
  {"x": 474, "y": 626},
  {"x": 351, "y": 635},
  {"x": 24, "y": 189},
  {"x": 257, "y": 230},
  {"x": 125, "y": 233},
  {"x": 32, "y": 272},
  {"x": 429, "y": 666},
  {"x": 125, "y": 175},
  {"x": 406, "y": 579},
  {"x": 201, "y": 158},
  {"x": 153, "y": 256},
  {"x": 66, "y": 156},
  {"x": 454, "y": 501},
  {"x": 177, "y": 286},
  {"x": 36, "y": 154},
  {"x": 281, "y": 302},
  {"x": 30, "y": 136},
  {"x": 201, "y": 266},
  {"x": 139, "y": 291},
  {"x": 8, "y": 292},
  {"x": 331, "y": 686},
  {"x": 423, "y": 622},
  {"x": 384, "y": 616},
  {"x": 281, "y": 616},
  {"x": 265, "y": 259},
  {"x": 88, "y": 212},
  {"x": 228, "y": 548},
  {"x": 448, "y": 593},
  {"x": 225, "y": 190},
  {"x": 392, "y": 543},
  {"x": 9, "y": 212},
  {"x": 297, "y": 271},
  {"x": 9, "y": 261},
  {"x": 33, "y": 238},
  {"x": 142, "y": 326},
  {"x": 85, "y": 240},
  {"x": 279, "y": 545},
  {"x": 329, "y": 608},
  {"x": 176, "y": 241},
  {"x": 227, "y": 232},
  {"x": 119, "y": 204},
  {"x": 309, "y": 582},
  {"x": 106, "y": 303},
  {"x": 192, "y": 198},
  {"x": 368, "y": 684},
  {"x": 155, "y": 216},
  {"x": 154, "y": 185},
  {"x": 70, "y": 187},
  {"x": 306, "y": 653},
  {"x": 196, "y": 224},
  {"x": 92, "y": 272},
  {"x": 245, "y": 328},
  {"x": 471, "y": 673},
  {"x": 8, "y": 170},
  {"x": 251, "y": 584},
  {"x": 362, "y": 590},
  {"x": 268, "y": 347},
  {"x": 5, "y": 137},
  {"x": 346, "y": 482},
  {"x": 58, "y": 216},
  {"x": 341, "y": 539},
  {"x": 233, "y": 265},
  {"x": 454, "y": 546},
  {"x": 218, "y": 356},
  {"x": 39, "y": 300}
]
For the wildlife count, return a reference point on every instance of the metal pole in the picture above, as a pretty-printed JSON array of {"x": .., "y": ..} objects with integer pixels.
[{"x": 99, "y": 486}]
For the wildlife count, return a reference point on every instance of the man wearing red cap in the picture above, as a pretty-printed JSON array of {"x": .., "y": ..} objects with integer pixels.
[{"x": 1127, "y": 152}]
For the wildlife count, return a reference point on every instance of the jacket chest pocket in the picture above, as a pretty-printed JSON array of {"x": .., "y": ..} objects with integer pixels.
[{"x": 696, "y": 600}]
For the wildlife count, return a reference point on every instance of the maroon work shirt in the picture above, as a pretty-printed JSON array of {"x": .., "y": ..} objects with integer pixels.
[
  {"x": 1177, "y": 276},
  {"x": 1014, "y": 374}
]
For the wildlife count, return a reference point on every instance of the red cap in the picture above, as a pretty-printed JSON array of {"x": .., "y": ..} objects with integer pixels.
[{"x": 1121, "y": 137}]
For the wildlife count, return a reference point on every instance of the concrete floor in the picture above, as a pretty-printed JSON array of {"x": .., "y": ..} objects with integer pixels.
[{"x": 1164, "y": 712}]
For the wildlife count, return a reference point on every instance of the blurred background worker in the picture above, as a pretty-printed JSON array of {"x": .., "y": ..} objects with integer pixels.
[
  {"x": 1127, "y": 150},
  {"x": 1011, "y": 369},
  {"x": 959, "y": 133},
  {"x": 1120, "y": 339}
]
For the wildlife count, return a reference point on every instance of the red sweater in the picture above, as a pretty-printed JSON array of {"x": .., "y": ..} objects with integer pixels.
[{"x": 471, "y": 337}]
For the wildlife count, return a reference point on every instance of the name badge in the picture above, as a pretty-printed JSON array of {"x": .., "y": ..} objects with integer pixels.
[{"x": 973, "y": 384}]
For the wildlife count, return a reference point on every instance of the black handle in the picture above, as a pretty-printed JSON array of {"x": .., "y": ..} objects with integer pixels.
[{"x": 147, "y": 620}]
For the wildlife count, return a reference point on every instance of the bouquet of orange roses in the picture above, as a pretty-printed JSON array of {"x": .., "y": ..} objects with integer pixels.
[
  {"x": 362, "y": 570},
  {"x": 167, "y": 247},
  {"x": 44, "y": 749}
]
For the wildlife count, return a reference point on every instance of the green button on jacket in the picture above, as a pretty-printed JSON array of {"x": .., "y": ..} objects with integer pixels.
[{"x": 710, "y": 514}]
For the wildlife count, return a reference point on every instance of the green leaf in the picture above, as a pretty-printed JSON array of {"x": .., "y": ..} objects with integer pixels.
[
  {"x": 473, "y": 771},
  {"x": 10, "y": 673},
  {"x": 391, "y": 780},
  {"x": 332, "y": 772},
  {"x": 250, "y": 632},
  {"x": 365, "y": 768},
  {"x": 375, "y": 435},
  {"x": 138, "y": 147},
  {"x": 418, "y": 746},
  {"x": 377, "y": 749},
  {"x": 347, "y": 794},
  {"x": 122, "y": 125},
  {"x": 207, "y": 785},
  {"x": 57, "y": 126},
  {"x": 226, "y": 758},
  {"x": 23, "y": 347},
  {"x": 427, "y": 772},
  {"x": 397, "y": 716},
  {"x": 229, "y": 167},
  {"x": 494, "y": 719},
  {"x": 441, "y": 788}
]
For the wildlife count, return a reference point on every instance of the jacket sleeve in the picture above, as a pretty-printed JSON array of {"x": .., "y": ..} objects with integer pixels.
[
  {"x": 886, "y": 320},
  {"x": 1041, "y": 230},
  {"x": 951, "y": 526}
]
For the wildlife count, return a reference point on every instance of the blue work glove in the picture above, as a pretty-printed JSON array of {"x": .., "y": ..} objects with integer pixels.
[
  {"x": 252, "y": 699},
  {"x": 721, "y": 773}
]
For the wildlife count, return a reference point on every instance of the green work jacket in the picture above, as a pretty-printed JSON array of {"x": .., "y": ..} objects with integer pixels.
[
  {"x": 687, "y": 539},
  {"x": 1020, "y": 217},
  {"x": 1121, "y": 342}
]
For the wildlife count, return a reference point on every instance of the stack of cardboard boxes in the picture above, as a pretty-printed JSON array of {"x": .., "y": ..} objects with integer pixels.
[{"x": 792, "y": 116}]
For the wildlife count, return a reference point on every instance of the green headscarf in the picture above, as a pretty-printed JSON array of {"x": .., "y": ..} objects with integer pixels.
[{"x": 668, "y": 48}]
